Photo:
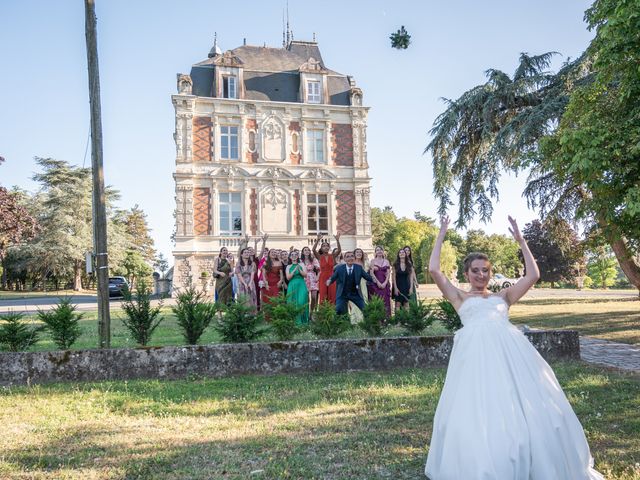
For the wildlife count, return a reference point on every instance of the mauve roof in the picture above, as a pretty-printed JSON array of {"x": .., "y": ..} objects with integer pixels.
[{"x": 271, "y": 74}]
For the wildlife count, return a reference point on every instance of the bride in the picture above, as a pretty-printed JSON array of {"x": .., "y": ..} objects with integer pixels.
[{"x": 502, "y": 414}]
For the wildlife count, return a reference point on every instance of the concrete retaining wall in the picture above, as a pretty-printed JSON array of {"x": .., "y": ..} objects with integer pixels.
[{"x": 252, "y": 358}]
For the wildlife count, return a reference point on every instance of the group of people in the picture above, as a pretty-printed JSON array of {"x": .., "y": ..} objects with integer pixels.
[
  {"x": 502, "y": 414},
  {"x": 309, "y": 276}
]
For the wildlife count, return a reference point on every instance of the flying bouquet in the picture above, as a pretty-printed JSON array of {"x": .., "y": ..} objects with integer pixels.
[{"x": 400, "y": 39}]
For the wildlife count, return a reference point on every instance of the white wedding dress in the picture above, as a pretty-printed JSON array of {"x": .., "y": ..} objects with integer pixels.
[{"x": 502, "y": 414}]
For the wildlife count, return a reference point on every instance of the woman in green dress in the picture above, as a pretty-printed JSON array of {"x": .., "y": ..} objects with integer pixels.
[
  {"x": 297, "y": 292},
  {"x": 222, "y": 272}
]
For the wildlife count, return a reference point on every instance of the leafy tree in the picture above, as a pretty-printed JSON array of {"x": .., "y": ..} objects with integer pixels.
[
  {"x": 383, "y": 223},
  {"x": 161, "y": 263},
  {"x": 16, "y": 225},
  {"x": 576, "y": 129},
  {"x": 502, "y": 251},
  {"x": 601, "y": 267},
  {"x": 556, "y": 248},
  {"x": 596, "y": 149}
]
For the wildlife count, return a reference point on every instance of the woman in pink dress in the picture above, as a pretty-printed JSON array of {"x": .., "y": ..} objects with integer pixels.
[
  {"x": 313, "y": 270},
  {"x": 245, "y": 273},
  {"x": 381, "y": 272}
]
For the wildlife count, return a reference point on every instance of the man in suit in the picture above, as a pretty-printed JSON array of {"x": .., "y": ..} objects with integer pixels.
[{"x": 348, "y": 276}]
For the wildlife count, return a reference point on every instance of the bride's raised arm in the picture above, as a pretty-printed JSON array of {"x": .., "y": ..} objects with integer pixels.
[
  {"x": 449, "y": 291},
  {"x": 517, "y": 291}
]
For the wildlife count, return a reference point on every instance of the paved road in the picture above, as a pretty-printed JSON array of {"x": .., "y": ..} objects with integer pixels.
[{"x": 88, "y": 302}]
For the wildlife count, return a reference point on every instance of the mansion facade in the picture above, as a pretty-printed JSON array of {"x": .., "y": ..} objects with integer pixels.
[{"x": 268, "y": 140}]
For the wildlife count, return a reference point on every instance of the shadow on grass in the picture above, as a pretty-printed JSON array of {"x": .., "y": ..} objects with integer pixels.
[
  {"x": 356, "y": 426},
  {"x": 581, "y": 300}
]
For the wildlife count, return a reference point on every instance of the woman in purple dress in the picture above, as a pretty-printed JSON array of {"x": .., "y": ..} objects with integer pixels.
[{"x": 380, "y": 269}]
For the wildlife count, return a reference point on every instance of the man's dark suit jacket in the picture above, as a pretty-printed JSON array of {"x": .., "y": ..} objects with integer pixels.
[{"x": 340, "y": 274}]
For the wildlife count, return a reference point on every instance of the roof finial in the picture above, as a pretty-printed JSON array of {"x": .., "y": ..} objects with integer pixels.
[
  {"x": 314, "y": 36},
  {"x": 215, "y": 50},
  {"x": 289, "y": 34},
  {"x": 283, "y": 34}
]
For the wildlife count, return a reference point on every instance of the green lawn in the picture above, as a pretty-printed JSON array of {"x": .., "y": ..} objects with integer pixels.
[
  {"x": 329, "y": 426},
  {"x": 616, "y": 319}
]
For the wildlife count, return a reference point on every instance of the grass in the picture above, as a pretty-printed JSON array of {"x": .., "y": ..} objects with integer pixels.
[
  {"x": 609, "y": 318},
  {"x": 329, "y": 426},
  {"x": 615, "y": 319},
  {"x": 13, "y": 295}
]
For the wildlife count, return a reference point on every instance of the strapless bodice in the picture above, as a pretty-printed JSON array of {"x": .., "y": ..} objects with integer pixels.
[{"x": 478, "y": 311}]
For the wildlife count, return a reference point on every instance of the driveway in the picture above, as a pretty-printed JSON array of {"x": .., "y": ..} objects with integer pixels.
[{"x": 88, "y": 302}]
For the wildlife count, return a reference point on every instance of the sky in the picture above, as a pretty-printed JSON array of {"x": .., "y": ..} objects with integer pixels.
[{"x": 143, "y": 44}]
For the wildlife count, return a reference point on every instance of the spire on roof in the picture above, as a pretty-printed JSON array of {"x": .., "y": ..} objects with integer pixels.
[{"x": 215, "y": 50}]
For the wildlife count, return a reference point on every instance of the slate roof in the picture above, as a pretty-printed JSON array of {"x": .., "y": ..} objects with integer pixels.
[{"x": 272, "y": 74}]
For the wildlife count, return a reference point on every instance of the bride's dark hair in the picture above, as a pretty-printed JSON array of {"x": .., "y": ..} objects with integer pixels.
[{"x": 471, "y": 257}]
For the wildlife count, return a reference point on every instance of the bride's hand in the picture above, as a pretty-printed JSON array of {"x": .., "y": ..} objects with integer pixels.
[
  {"x": 444, "y": 224},
  {"x": 514, "y": 230}
]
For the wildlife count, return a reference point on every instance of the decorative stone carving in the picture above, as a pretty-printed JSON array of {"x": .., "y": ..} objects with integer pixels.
[
  {"x": 230, "y": 172},
  {"x": 276, "y": 173},
  {"x": 318, "y": 174},
  {"x": 275, "y": 210},
  {"x": 228, "y": 59},
  {"x": 311, "y": 66},
  {"x": 185, "y": 84},
  {"x": 272, "y": 134}
]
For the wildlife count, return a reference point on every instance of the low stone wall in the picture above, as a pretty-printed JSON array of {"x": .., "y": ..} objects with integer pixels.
[{"x": 252, "y": 358}]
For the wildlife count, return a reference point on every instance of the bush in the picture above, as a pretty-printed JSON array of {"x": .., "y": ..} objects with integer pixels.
[
  {"x": 327, "y": 323},
  {"x": 142, "y": 319},
  {"x": 193, "y": 314},
  {"x": 62, "y": 323},
  {"x": 373, "y": 316},
  {"x": 447, "y": 315},
  {"x": 415, "y": 318},
  {"x": 282, "y": 317},
  {"x": 240, "y": 323},
  {"x": 15, "y": 336}
]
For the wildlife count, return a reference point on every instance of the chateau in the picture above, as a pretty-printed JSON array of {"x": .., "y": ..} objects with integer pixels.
[{"x": 268, "y": 140}]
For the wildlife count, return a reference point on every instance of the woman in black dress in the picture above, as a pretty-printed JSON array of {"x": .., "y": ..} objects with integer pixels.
[{"x": 402, "y": 280}]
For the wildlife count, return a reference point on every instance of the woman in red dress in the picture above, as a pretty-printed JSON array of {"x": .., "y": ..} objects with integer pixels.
[
  {"x": 272, "y": 278},
  {"x": 327, "y": 261}
]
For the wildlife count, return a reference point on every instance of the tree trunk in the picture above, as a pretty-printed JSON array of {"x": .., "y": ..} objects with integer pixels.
[
  {"x": 77, "y": 275},
  {"x": 627, "y": 262}
]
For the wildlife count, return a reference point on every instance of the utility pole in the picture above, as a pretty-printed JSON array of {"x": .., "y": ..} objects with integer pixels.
[{"x": 99, "y": 212}]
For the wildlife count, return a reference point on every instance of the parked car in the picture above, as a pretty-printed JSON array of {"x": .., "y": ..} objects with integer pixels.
[
  {"x": 117, "y": 286},
  {"x": 500, "y": 281}
]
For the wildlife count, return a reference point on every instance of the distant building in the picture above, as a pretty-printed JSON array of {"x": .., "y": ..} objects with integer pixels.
[{"x": 267, "y": 140}]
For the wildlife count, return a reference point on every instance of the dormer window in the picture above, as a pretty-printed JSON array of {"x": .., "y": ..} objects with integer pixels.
[
  {"x": 313, "y": 91},
  {"x": 229, "y": 86}
]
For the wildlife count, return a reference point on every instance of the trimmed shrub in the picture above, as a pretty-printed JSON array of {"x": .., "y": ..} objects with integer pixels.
[
  {"x": 415, "y": 318},
  {"x": 62, "y": 323},
  {"x": 327, "y": 323},
  {"x": 282, "y": 317},
  {"x": 15, "y": 336},
  {"x": 374, "y": 315},
  {"x": 193, "y": 314},
  {"x": 239, "y": 323},
  {"x": 142, "y": 319},
  {"x": 447, "y": 315}
]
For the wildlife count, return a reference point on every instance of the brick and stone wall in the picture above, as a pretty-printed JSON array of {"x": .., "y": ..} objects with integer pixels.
[
  {"x": 201, "y": 139},
  {"x": 342, "y": 144},
  {"x": 202, "y": 211},
  {"x": 252, "y": 358},
  {"x": 346, "y": 209}
]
